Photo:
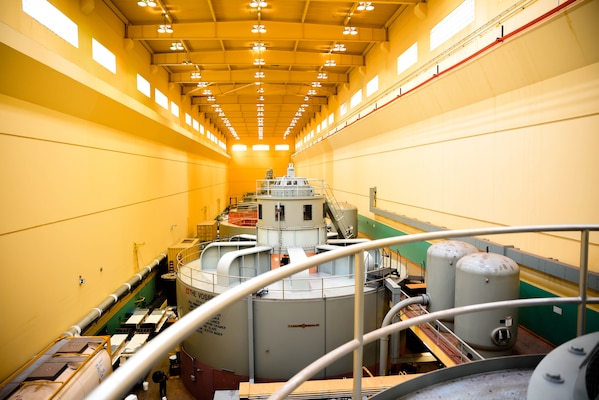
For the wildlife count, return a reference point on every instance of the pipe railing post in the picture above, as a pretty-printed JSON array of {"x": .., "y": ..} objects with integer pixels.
[
  {"x": 582, "y": 282},
  {"x": 358, "y": 323}
]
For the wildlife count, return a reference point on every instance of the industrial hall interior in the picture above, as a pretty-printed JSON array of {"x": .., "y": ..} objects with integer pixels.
[{"x": 310, "y": 199}]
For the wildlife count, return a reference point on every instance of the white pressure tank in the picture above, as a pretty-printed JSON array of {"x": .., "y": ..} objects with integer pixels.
[
  {"x": 484, "y": 278},
  {"x": 441, "y": 260}
]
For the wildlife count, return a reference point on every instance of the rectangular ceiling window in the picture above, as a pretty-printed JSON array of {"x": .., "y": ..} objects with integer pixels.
[
  {"x": 260, "y": 147},
  {"x": 239, "y": 147},
  {"x": 355, "y": 99},
  {"x": 457, "y": 20},
  {"x": 103, "y": 56},
  {"x": 161, "y": 99},
  {"x": 407, "y": 58},
  {"x": 143, "y": 85},
  {"x": 372, "y": 86},
  {"x": 281, "y": 147},
  {"x": 52, "y": 18}
]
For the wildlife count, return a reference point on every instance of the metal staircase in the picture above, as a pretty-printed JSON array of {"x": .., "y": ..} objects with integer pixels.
[{"x": 333, "y": 211}]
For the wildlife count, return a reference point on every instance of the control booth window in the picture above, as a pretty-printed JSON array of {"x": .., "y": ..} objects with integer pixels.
[
  {"x": 259, "y": 211},
  {"x": 279, "y": 213},
  {"x": 307, "y": 212}
]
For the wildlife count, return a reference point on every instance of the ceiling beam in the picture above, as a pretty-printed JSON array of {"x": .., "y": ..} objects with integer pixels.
[
  {"x": 268, "y": 100},
  {"x": 247, "y": 57},
  {"x": 248, "y": 76},
  {"x": 241, "y": 30},
  {"x": 239, "y": 110}
]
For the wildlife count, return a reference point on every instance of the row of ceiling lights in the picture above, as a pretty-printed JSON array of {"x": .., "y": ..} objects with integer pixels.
[{"x": 259, "y": 46}]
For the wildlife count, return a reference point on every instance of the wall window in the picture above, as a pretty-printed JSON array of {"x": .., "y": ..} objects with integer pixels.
[
  {"x": 457, "y": 20},
  {"x": 307, "y": 212},
  {"x": 372, "y": 86},
  {"x": 143, "y": 85},
  {"x": 407, "y": 58},
  {"x": 103, "y": 56},
  {"x": 52, "y": 18},
  {"x": 343, "y": 109},
  {"x": 239, "y": 147},
  {"x": 260, "y": 147},
  {"x": 331, "y": 118},
  {"x": 281, "y": 147},
  {"x": 161, "y": 99},
  {"x": 355, "y": 99},
  {"x": 195, "y": 124},
  {"x": 174, "y": 109},
  {"x": 280, "y": 213},
  {"x": 259, "y": 211}
]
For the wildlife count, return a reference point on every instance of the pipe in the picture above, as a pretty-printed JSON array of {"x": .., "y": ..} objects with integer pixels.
[
  {"x": 384, "y": 347},
  {"x": 583, "y": 282},
  {"x": 96, "y": 312},
  {"x": 251, "y": 338}
]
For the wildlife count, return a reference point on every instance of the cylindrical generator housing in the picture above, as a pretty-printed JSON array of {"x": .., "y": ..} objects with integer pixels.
[
  {"x": 484, "y": 278},
  {"x": 441, "y": 261}
]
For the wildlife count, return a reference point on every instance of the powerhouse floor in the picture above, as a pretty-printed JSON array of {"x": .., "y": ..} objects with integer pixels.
[{"x": 174, "y": 386}]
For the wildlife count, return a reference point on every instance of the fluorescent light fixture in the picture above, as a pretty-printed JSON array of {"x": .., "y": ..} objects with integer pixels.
[
  {"x": 259, "y": 28},
  {"x": 350, "y": 30},
  {"x": 256, "y": 4},
  {"x": 365, "y": 6}
]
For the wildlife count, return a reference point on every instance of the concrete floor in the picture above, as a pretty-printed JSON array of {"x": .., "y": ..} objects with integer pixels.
[{"x": 174, "y": 386}]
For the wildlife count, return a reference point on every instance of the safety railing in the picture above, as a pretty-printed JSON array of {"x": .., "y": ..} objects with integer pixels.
[
  {"x": 443, "y": 336},
  {"x": 126, "y": 376}
]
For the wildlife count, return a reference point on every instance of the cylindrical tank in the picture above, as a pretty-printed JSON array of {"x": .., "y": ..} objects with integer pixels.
[
  {"x": 441, "y": 260},
  {"x": 484, "y": 278}
]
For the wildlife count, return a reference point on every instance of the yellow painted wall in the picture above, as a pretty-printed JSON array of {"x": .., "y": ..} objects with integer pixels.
[
  {"x": 507, "y": 139},
  {"x": 248, "y": 166},
  {"x": 90, "y": 171}
]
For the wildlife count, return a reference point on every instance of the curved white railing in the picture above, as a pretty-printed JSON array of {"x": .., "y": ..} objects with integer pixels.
[{"x": 126, "y": 376}]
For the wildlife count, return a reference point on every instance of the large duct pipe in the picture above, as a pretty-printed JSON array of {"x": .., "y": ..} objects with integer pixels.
[
  {"x": 112, "y": 298},
  {"x": 384, "y": 347}
]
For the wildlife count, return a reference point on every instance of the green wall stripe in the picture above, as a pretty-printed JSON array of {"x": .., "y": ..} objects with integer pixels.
[{"x": 415, "y": 252}]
